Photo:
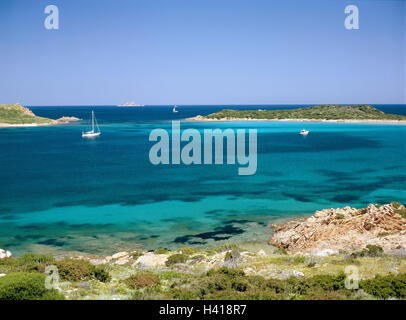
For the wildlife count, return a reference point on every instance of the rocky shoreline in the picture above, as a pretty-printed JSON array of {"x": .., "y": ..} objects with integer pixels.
[
  {"x": 330, "y": 231},
  {"x": 311, "y": 254}
]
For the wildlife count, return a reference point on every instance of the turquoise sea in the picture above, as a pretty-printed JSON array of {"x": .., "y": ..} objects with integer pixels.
[{"x": 59, "y": 192}]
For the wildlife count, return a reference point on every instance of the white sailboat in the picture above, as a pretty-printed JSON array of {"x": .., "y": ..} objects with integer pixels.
[
  {"x": 92, "y": 133},
  {"x": 174, "y": 109}
]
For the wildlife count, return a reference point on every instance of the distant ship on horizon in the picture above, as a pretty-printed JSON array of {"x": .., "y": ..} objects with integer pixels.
[{"x": 130, "y": 104}]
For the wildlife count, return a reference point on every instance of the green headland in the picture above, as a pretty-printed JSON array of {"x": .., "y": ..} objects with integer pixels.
[
  {"x": 17, "y": 114},
  {"x": 321, "y": 112}
]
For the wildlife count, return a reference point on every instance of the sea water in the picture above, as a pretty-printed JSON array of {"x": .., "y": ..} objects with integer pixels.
[{"x": 59, "y": 192}]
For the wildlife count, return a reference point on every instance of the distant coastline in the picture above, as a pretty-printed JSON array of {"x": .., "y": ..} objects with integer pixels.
[
  {"x": 200, "y": 118},
  {"x": 322, "y": 113}
]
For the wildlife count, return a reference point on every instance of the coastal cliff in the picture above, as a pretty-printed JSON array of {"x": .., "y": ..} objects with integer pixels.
[{"x": 333, "y": 230}]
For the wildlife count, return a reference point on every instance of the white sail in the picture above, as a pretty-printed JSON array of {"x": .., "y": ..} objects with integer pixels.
[{"x": 92, "y": 133}]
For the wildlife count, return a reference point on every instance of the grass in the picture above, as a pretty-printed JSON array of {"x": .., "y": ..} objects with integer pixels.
[
  {"x": 16, "y": 114},
  {"x": 328, "y": 112}
]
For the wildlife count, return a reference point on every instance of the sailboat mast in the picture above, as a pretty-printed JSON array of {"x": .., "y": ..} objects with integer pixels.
[{"x": 92, "y": 120}]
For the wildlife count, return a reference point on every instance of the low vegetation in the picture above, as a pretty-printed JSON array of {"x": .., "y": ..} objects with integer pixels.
[
  {"x": 16, "y": 114},
  {"x": 80, "y": 270},
  {"x": 26, "y": 286},
  {"x": 399, "y": 208},
  {"x": 142, "y": 280},
  {"x": 235, "y": 274},
  {"x": 328, "y": 112},
  {"x": 175, "y": 259}
]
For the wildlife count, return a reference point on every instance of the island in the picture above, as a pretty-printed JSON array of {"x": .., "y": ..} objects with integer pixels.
[
  {"x": 322, "y": 113},
  {"x": 15, "y": 115},
  {"x": 130, "y": 104}
]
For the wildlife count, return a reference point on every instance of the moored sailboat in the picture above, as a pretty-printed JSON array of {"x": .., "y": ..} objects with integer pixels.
[{"x": 92, "y": 133}]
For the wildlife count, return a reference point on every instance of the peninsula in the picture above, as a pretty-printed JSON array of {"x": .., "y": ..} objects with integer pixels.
[
  {"x": 322, "y": 113},
  {"x": 15, "y": 115}
]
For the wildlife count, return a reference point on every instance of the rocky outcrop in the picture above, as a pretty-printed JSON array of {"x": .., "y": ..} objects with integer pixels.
[
  {"x": 349, "y": 229},
  {"x": 67, "y": 120},
  {"x": 5, "y": 254}
]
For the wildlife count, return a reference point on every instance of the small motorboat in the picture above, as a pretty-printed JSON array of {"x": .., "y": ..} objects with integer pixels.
[{"x": 304, "y": 132}]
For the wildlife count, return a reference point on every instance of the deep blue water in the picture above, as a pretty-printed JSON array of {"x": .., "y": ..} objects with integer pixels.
[{"x": 59, "y": 192}]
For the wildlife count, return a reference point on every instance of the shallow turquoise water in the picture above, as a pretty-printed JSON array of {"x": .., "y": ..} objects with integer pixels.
[{"x": 62, "y": 193}]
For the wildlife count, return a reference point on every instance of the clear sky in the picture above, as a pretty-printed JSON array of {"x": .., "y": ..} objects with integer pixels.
[{"x": 202, "y": 52}]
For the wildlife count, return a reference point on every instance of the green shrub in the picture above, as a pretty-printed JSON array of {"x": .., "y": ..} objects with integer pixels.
[
  {"x": 340, "y": 216},
  {"x": 100, "y": 273},
  {"x": 395, "y": 204},
  {"x": 142, "y": 280},
  {"x": 374, "y": 250},
  {"x": 8, "y": 265},
  {"x": 226, "y": 247},
  {"x": 28, "y": 262},
  {"x": 80, "y": 270},
  {"x": 161, "y": 251},
  {"x": 188, "y": 250},
  {"x": 226, "y": 271},
  {"x": 370, "y": 250},
  {"x": 183, "y": 294},
  {"x": 386, "y": 286},
  {"x": 281, "y": 251},
  {"x": 176, "y": 258},
  {"x": 239, "y": 285},
  {"x": 323, "y": 282},
  {"x": 197, "y": 258},
  {"x": 35, "y": 258},
  {"x": 396, "y": 208},
  {"x": 74, "y": 270},
  {"x": 26, "y": 286}
]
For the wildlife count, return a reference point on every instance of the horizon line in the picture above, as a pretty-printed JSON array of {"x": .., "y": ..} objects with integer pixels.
[{"x": 208, "y": 105}]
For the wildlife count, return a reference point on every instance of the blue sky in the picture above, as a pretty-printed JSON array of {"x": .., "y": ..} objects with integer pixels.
[{"x": 202, "y": 52}]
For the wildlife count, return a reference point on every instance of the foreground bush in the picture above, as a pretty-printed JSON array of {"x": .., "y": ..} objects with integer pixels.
[
  {"x": 26, "y": 286},
  {"x": 176, "y": 258},
  {"x": 142, "y": 280},
  {"x": 80, "y": 270},
  {"x": 386, "y": 287},
  {"x": 28, "y": 262}
]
